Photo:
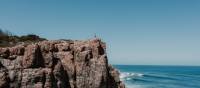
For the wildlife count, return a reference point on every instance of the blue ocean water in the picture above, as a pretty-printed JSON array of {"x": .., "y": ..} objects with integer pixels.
[{"x": 147, "y": 76}]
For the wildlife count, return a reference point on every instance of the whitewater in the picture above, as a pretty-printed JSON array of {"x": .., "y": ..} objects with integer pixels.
[{"x": 141, "y": 76}]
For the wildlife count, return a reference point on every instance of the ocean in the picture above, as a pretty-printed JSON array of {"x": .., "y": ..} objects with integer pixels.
[{"x": 149, "y": 76}]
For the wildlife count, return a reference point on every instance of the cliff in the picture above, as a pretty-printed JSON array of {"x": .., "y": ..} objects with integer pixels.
[{"x": 58, "y": 64}]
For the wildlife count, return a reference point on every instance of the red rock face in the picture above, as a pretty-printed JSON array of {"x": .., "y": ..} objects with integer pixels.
[{"x": 58, "y": 64}]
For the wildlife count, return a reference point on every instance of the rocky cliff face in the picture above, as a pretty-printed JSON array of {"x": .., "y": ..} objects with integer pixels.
[{"x": 58, "y": 64}]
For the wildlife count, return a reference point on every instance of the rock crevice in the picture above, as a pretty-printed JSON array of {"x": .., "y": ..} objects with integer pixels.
[{"x": 58, "y": 64}]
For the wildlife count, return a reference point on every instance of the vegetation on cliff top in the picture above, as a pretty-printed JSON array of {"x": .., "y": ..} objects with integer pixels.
[{"x": 8, "y": 39}]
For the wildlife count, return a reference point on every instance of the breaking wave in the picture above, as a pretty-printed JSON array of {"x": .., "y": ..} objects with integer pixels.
[
  {"x": 129, "y": 76},
  {"x": 160, "y": 76}
]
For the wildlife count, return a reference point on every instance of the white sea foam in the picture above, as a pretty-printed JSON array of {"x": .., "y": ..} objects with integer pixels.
[{"x": 129, "y": 75}]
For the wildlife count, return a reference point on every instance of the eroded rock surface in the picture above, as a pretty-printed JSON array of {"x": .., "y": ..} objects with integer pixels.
[{"x": 58, "y": 64}]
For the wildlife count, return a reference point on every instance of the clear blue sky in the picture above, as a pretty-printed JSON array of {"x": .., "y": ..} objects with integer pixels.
[{"x": 154, "y": 32}]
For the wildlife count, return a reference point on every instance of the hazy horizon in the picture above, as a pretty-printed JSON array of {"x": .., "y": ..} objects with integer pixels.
[{"x": 140, "y": 32}]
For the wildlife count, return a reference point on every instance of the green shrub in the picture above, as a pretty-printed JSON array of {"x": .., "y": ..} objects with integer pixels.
[{"x": 8, "y": 39}]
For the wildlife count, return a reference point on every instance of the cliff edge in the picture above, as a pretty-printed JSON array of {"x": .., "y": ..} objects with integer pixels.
[{"x": 58, "y": 64}]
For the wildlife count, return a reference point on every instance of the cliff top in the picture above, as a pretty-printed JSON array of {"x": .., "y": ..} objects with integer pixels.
[{"x": 7, "y": 39}]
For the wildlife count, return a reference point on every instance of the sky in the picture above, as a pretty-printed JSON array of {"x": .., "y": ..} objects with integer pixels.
[{"x": 137, "y": 32}]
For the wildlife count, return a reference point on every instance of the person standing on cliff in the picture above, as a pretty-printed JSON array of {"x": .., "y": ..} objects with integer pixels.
[{"x": 95, "y": 36}]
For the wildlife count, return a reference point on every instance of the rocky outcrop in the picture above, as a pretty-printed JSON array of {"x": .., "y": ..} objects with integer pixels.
[{"x": 58, "y": 64}]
